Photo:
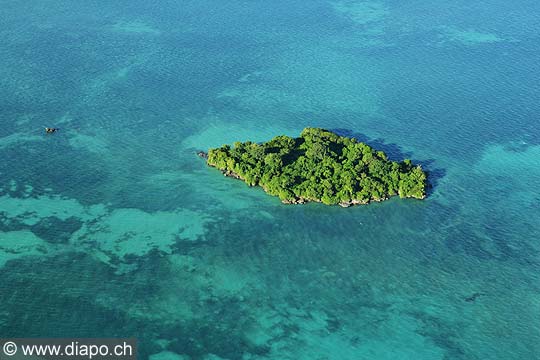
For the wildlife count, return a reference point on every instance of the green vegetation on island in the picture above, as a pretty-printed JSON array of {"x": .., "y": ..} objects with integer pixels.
[{"x": 320, "y": 166}]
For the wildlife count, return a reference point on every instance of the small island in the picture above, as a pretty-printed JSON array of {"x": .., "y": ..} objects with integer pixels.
[{"x": 319, "y": 166}]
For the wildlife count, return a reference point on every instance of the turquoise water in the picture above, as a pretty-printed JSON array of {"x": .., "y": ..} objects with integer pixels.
[{"x": 113, "y": 227}]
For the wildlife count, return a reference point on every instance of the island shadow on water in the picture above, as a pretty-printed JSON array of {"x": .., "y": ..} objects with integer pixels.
[{"x": 396, "y": 153}]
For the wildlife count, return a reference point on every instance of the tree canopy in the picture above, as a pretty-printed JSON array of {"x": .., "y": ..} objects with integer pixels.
[{"x": 320, "y": 166}]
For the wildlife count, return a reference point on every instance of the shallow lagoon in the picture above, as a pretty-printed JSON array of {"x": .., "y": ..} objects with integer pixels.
[{"x": 113, "y": 227}]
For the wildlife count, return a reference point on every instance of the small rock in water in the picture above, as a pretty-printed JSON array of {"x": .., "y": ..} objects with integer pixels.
[
  {"x": 473, "y": 297},
  {"x": 202, "y": 154}
]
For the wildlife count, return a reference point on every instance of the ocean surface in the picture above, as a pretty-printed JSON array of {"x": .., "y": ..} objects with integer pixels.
[{"x": 113, "y": 227}]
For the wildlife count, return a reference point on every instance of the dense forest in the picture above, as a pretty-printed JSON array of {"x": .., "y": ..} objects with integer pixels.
[{"x": 320, "y": 166}]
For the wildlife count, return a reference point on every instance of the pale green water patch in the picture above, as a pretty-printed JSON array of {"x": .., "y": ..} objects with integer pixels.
[
  {"x": 361, "y": 12},
  {"x": 509, "y": 160},
  {"x": 17, "y": 244},
  {"x": 18, "y": 139},
  {"x": 108, "y": 233},
  {"x": 133, "y": 232},
  {"x": 218, "y": 132},
  {"x": 94, "y": 144},
  {"x": 468, "y": 36},
  {"x": 31, "y": 210}
]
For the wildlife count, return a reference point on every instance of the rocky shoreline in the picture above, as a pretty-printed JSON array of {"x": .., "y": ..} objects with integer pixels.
[
  {"x": 227, "y": 173},
  {"x": 202, "y": 154}
]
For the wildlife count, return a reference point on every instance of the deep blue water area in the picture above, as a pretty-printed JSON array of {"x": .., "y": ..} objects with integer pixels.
[{"x": 114, "y": 227}]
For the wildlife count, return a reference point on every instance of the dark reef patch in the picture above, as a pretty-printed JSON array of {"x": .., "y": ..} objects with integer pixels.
[{"x": 54, "y": 230}]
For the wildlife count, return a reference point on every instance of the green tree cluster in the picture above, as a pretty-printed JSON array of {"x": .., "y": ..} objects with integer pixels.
[{"x": 320, "y": 166}]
